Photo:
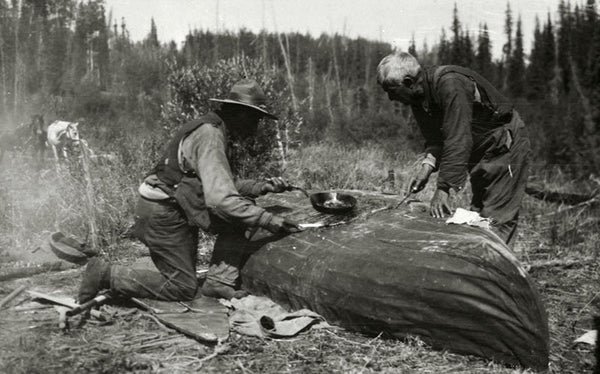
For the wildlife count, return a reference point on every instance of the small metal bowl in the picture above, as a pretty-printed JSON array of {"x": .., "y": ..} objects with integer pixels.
[{"x": 332, "y": 202}]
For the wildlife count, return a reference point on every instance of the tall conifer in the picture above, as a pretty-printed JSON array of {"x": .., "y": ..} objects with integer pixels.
[
  {"x": 516, "y": 69},
  {"x": 483, "y": 57}
]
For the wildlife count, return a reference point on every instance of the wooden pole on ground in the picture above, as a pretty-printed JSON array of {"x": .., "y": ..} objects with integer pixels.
[{"x": 11, "y": 296}]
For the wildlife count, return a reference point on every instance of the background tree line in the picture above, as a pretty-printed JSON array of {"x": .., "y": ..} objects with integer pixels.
[{"x": 71, "y": 60}]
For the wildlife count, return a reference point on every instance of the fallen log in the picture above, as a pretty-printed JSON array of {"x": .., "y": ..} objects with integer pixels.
[
  {"x": 400, "y": 273},
  {"x": 566, "y": 263},
  {"x": 558, "y": 197},
  {"x": 8, "y": 273}
]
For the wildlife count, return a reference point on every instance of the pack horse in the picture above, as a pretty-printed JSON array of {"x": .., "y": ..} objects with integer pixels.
[{"x": 62, "y": 137}]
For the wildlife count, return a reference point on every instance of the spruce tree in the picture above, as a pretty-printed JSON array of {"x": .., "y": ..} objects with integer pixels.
[
  {"x": 549, "y": 61},
  {"x": 564, "y": 44},
  {"x": 549, "y": 49},
  {"x": 536, "y": 76},
  {"x": 456, "y": 52},
  {"x": 412, "y": 48},
  {"x": 4, "y": 67},
  {"x": 587, "y": 34},
  {"x": 468, "y": 56},
  {"x": 592, "y": 25},
  {"x": 444, "y": 52},
  {"x": 516, "y": 69},
  {"x": 90, "y": 54},
  {"x": 152, "y": 39},
  {"x": 483, "y": 58},
  {"x": 594, "y": 75},
  {"x": 508, "y": 24},
  {"x": 55, "y": 49},
  {"x": 505, "y": 62}
]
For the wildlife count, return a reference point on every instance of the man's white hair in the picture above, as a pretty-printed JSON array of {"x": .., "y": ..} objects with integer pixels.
[{"x": 394, "y": 67}]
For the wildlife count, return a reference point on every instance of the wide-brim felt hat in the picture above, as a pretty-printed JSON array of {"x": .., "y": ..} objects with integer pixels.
[{"x": 248, "y": 93}]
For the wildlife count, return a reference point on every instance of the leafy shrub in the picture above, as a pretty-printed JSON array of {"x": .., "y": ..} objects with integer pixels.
[{"x": 190, "y": 89}]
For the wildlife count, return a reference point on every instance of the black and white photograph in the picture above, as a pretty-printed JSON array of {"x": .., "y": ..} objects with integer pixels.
[{"x": 285, "y": 186}]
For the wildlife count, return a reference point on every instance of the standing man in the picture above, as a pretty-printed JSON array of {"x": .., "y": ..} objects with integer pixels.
[
  {"x": 192, "y": 188},
  {"x": 469, "y": 127}
]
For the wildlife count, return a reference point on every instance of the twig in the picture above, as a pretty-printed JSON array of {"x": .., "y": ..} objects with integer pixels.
[
  {"x": 160, "y": 324},
  {"x": 173, "y": 357},
  {"x": 244, "y": 370},
  {"x": 146, "y": 307},
  {"x": 347, "y": 340},
  {"x": 219, "y": 348},
  {"x": 159, "y": 342},
  {"x": 138, "y": 339},
  {"x": 374, "y": 339}
]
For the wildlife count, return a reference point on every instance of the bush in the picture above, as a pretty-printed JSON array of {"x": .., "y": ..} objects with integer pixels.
[{"x": 190, "y": 89}]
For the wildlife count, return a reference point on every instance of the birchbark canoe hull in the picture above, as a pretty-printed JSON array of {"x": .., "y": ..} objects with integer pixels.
[{"x": 401, "y": 272}]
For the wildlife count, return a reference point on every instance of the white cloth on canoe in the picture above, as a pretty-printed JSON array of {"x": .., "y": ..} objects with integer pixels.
[
  {"x": 261, "y": 317},
  {"x": 467, "y": 217},
  {"x": 590, "y": 337}
]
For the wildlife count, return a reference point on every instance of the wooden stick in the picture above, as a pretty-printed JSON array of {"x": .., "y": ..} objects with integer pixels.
[
  {"x": 311, "y": 88},
  {"x": 558, "y": 262},
  {"x": 89, "y": 194},
  {"x": 288, "y": 68},
  {"x": 65, "y": 302},
  {"x": 11, "y": 296},
  {"x": 145, "y": 306}
]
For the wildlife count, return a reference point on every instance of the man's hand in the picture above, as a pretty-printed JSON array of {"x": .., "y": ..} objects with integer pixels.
[
  {"x": 275, "y": 185},
  {"x": 281, "y": 225},
  {"x": 439, "y": 204},
  {"x": 419, "y": 178}
]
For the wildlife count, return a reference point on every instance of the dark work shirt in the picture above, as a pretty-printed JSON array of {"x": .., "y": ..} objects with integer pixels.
[
  {"x": 204, "y": 150},
  {"x": 459, "y": 113}
]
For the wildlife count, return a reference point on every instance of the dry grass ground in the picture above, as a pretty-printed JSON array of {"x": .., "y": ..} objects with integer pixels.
[{"x": 558, "y": 243}]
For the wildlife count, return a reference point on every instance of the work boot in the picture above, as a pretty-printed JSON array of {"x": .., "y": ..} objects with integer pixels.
[
  {"x": 212, "y": 288},
  {"x": 95, "y": 278}
]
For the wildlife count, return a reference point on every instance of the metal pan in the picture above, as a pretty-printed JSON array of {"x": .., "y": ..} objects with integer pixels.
[{"x": 332, "y": 202}]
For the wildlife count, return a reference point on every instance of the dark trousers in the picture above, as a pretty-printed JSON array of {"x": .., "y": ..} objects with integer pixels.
[
  {"x": 498, "y": 182},
  {"x": 173, "y": 245}
]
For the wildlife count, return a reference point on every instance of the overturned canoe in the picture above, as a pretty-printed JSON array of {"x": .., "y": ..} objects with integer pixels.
[{"x": 402, "y": 272}]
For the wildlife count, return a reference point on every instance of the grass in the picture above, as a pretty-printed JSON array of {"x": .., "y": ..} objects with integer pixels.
[{"x": 559, "y": 244}]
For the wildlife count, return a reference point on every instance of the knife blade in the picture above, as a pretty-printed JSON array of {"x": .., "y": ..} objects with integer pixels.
[
  {"x": 403, "y": 200},
  {"x": 291, "y": 188},
  {"x": 320, "y": 224}
]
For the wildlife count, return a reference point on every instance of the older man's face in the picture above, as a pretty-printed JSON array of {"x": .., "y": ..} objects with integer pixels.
[{"x": 400, "y": 92}]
